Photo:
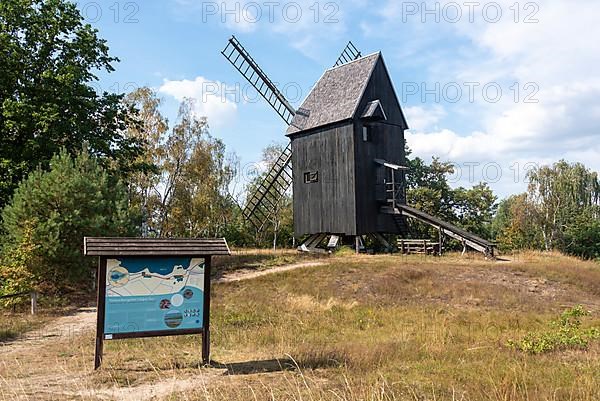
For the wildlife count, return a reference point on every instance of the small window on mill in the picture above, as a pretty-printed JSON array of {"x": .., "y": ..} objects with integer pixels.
[
  {"x": 311, "y": 176},
  {"x": 365, "y": 134}
]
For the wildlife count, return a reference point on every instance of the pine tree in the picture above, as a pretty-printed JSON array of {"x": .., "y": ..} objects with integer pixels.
[{"x": 55, "y": 210}]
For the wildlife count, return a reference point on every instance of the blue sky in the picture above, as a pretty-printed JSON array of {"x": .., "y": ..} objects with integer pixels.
[{"x": 493, "y": 87}]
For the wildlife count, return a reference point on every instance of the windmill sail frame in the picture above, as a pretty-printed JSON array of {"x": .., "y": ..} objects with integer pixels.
[
  {"x": 239, "y": 57},
  {"x": 262, "y": 204},
  {"x": 350, "y": 53}
]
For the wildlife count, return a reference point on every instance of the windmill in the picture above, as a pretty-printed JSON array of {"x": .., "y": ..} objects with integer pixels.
[
  {"x": 262, "y": 203},
  {"x": 345, "y": 159}
]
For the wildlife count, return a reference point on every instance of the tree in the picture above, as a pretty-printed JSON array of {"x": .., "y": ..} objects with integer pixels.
[
  {"x": 428, "y": 190},
  {"x": 193, "y": 177},
  {"x": 184, "y": 192},
  {"x": 513, "y": 225},
  {"x": 561, "y": 210},
  {"x": 15, "y": 275},
  {"x": 199, "y": 176},
  {"x": 150, "y": 131},
  {"x": 49, "y": 57},
  {"x": 50, "y": 214},
  {"x": 558, "y": 194},
  {"x": 475, "y": 208},
  {"x": 582, "y": 235},
  {"x": 183, "y": 189}
]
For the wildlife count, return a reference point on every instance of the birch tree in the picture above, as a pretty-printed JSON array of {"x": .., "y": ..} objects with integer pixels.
[{"x": 559, "y": 193}]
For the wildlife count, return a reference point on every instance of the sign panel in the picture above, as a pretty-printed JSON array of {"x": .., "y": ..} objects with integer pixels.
[{"x": 153, "y": 294}]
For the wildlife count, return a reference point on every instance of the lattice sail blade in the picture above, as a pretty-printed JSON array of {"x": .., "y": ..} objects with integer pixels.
[
  {"x": 237, "y": 55},
  {"x": 263, "y": 203},
  {"x": 350, "y": 53}
]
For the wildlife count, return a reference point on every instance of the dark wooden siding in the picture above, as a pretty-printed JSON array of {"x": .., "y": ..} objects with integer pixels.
[
  {"x": 386, "y": 141},
  {"x": 327, "y": 206},
  {"x": 344, "y": 201},
  {"x": 380, "y": 87}
]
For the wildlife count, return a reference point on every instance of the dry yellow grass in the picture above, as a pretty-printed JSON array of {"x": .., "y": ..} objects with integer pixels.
[
  {"x": 358, "y": 328},
  {"x": 258, "y": 259}
]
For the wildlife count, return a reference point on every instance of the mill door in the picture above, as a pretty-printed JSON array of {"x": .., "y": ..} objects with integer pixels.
[{"x": 390, "y": 187}]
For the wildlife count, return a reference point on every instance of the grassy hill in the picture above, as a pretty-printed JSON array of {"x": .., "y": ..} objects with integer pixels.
[{"x": 353, "y": 328}]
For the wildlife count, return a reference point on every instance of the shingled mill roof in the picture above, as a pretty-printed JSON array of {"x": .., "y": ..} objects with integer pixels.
[{"x": 335, "y": 96}]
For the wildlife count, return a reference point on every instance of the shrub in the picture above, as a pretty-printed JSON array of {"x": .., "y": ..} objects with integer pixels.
[
  {"x": 582, "y": 236},
  {"x": 15, "y": 276},
  {"x": 48, "y": 217},
  {"x": 566, "y": 333}
]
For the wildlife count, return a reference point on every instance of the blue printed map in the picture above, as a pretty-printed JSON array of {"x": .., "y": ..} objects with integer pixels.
[{"x": 153, "y": 294}]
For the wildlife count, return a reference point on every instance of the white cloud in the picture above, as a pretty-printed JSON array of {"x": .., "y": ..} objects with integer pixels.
[
  {"x": 449, "y": 145},
  {"x": 560, "y": 54},
  {"x": 211, "y": 99},
  {"x": 562, "y": 46},
  {"x": 422, "y": 118}
]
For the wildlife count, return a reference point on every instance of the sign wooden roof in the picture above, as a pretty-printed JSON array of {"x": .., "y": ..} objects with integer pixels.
[{"x": 155, "y": 246}]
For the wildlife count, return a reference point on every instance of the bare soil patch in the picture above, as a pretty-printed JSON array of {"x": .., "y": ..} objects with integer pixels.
[{"x": 354, "y": 327}]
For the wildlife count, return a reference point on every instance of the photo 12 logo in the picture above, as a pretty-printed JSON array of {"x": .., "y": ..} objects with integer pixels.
[
  {"x": 247, "y": 93},
  {"x": 490, "y": 171},
  {"x": 454, "y": 92},
  {"x": 125, "y": 12},
  {"x": 115, "y": 87},
  {"x": 252, "y": 12},
  {"x": 469, "y": 11}
]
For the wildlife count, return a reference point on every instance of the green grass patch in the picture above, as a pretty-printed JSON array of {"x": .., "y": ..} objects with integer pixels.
[
  {"x": 566, "y": 332},
  {"x": 355, "y": 328},
  {"x": 14, "y": 325}
]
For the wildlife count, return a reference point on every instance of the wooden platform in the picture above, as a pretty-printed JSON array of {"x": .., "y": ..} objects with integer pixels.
[{"x": 418, "y": 246}]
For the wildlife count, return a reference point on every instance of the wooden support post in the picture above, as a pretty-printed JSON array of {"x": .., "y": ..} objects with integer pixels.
[
  {"x": 206, "y": 314},
  {"x": 100, "y": 305},
  {"x": 393, "y": 190},
  {"x": 440, "y": 241},
  {"x": 381, "y": 239},
  {"x": 34, "y": 296},
  {"x": 357, "y": 244}
]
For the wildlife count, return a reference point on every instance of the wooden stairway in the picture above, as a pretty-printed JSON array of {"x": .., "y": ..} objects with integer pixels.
[{"x": 466, "y": 238}]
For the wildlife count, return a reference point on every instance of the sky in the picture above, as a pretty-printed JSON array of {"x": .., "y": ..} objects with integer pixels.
[{"x": 495, "y": 88}]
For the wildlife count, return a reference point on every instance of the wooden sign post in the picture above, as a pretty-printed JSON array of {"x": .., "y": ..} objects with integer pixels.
[{"x": 153, "y": 287}]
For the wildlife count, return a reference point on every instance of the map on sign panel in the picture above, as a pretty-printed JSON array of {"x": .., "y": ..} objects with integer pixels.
[{"x": 153, "y": 294}]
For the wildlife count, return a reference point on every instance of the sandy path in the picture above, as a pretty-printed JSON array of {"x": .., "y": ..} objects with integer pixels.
[
  {"x": 84, "y": 321},
  {"x": 152, "y": 391},
  {"x": 243, "y": 274},
  {"x": 80, "y": 385}
]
